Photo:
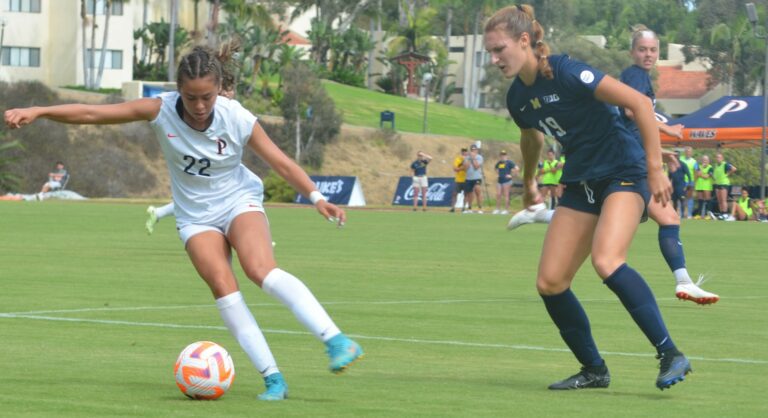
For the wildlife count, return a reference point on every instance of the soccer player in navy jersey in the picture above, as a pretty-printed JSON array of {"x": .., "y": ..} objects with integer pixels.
[
  {"x": 609, "y": 179},
  {"x": 645, "y": 53}
]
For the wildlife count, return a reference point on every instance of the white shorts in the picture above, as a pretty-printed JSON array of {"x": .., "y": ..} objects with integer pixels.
[
  {"x": 420, "y": 181},
  {"x": 247, "y": 204},
  {"x": 53, "y": 185}
]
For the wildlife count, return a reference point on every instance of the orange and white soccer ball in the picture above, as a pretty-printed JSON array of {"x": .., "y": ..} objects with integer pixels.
[{"x": 204, "y": 370}]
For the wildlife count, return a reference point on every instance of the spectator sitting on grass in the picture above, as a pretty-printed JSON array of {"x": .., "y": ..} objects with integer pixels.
[{"x": 56, "y": 180}]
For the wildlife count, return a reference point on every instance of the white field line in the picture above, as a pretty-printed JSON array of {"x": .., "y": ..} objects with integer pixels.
[
  {"x": 363, "y": 337},
  {"x": 341, "y": 303}
]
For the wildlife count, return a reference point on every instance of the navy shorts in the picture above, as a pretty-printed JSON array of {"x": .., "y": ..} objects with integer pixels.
[
  {"x": 588, "y": 196},
  {"x": 469, "y": 185}
]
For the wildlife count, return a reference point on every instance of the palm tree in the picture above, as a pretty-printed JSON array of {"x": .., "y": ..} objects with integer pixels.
[
  {"x": 213, "y": 25},
  {"x": 84, "y": 18},
  {"x": 108, "y": 14},
  {"x": 172, "y": 41}
]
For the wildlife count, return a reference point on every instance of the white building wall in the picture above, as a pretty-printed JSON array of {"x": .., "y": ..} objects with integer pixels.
[
  {"x": 17, "y": 33},
  {"x": 57, "y": 30}
]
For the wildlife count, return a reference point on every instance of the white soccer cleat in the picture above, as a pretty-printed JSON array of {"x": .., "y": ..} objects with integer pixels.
[
  {"x": 692, "y": 292},
  {"x": 151, "y": 220},
  {"x": 533, "y": 213},
  {"x": 496, "y": 212}
]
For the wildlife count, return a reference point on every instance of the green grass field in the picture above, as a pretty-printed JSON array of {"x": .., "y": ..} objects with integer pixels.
[
  {"x": 93, "y": 313},
  {"x": 362, "y": 107}
]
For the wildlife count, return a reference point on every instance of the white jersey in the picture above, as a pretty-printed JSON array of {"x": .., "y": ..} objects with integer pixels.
[{"x": 207, "y": 174}]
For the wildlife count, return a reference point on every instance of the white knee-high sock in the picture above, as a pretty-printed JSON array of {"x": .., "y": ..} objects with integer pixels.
[
  {"x": 289, "y": 290},
  {"x": 164, "y": 210},
  {"x": 243, "y": 326}
]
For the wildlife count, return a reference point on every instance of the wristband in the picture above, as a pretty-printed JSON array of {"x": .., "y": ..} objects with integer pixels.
[{"x": 315, "y": 197}]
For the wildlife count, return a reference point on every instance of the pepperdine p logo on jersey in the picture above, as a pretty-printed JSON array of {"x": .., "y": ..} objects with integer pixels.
[
  {"x": 221, "y": 144},
  {"x": 587, "y": 76}
]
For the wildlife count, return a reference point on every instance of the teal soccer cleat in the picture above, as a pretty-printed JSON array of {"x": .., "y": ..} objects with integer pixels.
[
  {"x": 342, "y": 352},
  {"x": 277, "y": 390}
]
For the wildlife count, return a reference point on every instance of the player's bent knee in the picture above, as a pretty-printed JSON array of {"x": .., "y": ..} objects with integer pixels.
[
  {"x": 605, "y": 266},
  {"x": 257, "y": 273},
  {"x": 548, "y": 286}
]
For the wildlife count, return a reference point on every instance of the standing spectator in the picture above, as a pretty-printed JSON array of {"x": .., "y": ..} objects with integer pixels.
[
  {"x": 609, "y": 180},
  {"x": 704, "y": 174},
  {"x": 505, "y": 169},
  {"x": 721, "y": 176},
  {"x": 420, "y": 180},
  {"x": 459, "y": 179},
  {"x": 56, "y": 180},
  {"x": 473, "y": 164},
  {"x": 549, "y": 178},
  {"x": 678, "y": 175},
  {"x": 744, "y": 208},
  {"x": 690, "y": 162}
]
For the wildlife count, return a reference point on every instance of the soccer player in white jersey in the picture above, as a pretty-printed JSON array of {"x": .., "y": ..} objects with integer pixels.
[{"x": 219, "y": 201}]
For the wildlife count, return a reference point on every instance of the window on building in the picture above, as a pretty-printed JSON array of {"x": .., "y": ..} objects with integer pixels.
[
  {"x": 24, "y": 6},
  {"x": 456, "y": 49},
  {"x": 100, "y": 7},
  {"x": 113, "y": 59},
  {"x": 21, "y": 57},
  {"x": 482, "y": 58}
]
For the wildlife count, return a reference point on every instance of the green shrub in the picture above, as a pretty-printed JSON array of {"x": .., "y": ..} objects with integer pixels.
[{"x": 276, "y": 189}]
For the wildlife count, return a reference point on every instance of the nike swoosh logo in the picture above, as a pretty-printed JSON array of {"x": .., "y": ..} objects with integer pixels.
[
  {"x": 172, "y": 136},
  {"x": 523, "y": 108},
  {"x": 627, "y": 183}
]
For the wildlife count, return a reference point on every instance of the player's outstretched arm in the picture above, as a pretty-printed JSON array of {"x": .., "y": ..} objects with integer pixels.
[
  {"x": 263, "y": 146},
  {"x": 135, "y": 110}
]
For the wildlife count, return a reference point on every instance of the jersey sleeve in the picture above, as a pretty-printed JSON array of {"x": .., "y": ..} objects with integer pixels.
[
  {"x": 244, "y": 121},
  {"x": 577, "y": 77},
  {"x": 635, "y": 79}
]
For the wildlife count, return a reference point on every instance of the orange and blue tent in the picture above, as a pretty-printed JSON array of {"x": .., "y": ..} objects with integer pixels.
[{"x": 730, "y": 121}]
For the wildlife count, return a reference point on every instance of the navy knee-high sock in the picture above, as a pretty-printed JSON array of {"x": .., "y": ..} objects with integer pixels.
[
  {"x": 671, "y": 247},
  {"x": 638, "y": 299},
  {"x": 566, "y": 312}
]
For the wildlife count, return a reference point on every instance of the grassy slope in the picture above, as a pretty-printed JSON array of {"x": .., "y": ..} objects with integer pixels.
[
  {"x": 460, "y": 332},
  {"x": 362, "y": 107}
]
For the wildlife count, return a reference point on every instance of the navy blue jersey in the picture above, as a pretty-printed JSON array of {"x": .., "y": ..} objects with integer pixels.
[
  {"x": 597, "y": 143},
  {"x": 638, "y": 79},
  {"x": 419, "y": 167},
  {"x": 504, "y": 168},
  {"x": 679, "y": 179}
]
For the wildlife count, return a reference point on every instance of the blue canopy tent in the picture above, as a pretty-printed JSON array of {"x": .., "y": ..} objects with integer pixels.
[{"x": 730, "y": 121}]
